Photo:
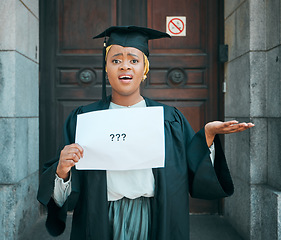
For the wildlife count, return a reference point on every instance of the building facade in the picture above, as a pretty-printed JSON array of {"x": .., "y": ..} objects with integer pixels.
[
  {"x": 253, "y": 82},
  {"x": 252, "y": 92},
  {"x": 19, "y": 116}
]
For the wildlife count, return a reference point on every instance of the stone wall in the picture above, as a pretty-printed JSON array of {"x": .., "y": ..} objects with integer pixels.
[
  {"x": 19, "y": 116},
  {"x": 252, "y": 76}
]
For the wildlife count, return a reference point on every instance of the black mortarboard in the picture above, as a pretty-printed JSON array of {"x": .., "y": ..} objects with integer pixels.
[{"x": 128, "y": 36}]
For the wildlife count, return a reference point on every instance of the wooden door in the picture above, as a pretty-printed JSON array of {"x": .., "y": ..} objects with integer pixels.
[{"x": 183, "y": 70}]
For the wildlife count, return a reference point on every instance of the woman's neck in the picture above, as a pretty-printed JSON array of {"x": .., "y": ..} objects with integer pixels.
[{"x": 126, "y": 100}]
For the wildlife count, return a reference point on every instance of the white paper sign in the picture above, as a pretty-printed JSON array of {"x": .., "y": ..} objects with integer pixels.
[{"x": 121, "y": 139}]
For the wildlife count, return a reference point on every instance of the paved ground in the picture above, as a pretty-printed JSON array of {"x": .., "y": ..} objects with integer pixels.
[
  {"x": 202, "y": 227},
  {"x": 211, "y": 227}
]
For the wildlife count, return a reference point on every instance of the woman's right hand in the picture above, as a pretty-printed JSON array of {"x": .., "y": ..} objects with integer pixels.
[{"x": 70, "y": 155}]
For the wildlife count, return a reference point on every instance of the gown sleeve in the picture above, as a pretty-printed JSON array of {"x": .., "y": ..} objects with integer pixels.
[
  {"x": 61, "y": 190},
  {"x": 205, "y": 180},
  {"x": 56, "y": 218}
]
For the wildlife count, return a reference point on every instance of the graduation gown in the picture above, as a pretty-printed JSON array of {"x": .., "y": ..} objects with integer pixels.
[{"x": 188, "y": 170}]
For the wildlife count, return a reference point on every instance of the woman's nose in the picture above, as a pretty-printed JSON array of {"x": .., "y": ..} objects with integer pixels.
[{"x": 125, "y": 66}]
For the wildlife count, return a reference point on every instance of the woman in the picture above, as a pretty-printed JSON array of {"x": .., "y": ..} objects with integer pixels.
[{"x": 136, "y": 204}]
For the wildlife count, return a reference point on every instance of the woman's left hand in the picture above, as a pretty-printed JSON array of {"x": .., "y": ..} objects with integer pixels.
[{"x": 217, "y": 127}]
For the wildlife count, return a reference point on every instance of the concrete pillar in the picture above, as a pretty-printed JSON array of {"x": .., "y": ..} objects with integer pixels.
[
  {"x": 252, "y": 76},
  {"x": 19, "y": 116}
]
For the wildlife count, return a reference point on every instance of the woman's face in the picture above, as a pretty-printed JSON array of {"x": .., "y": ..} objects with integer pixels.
[{"x": 125, "y": 70}]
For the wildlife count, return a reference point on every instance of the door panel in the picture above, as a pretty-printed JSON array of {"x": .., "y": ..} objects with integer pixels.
[
  {"x": 183, "y": 70},
  {"x": 79, "y": 20},
  {"x": 195, "y": 12}
]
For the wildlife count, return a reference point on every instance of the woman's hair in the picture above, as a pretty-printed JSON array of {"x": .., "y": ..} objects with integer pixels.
[{"x": 146, "y": 62}]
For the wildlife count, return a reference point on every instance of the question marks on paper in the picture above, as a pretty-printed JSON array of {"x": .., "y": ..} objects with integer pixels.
[
  {"x": 112, "y": 136},
  {"x": 118, "y": 136},
  {"x": 123, "y": 135}
]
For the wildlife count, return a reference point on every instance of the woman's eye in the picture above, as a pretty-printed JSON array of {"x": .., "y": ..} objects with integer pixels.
[
  {"x": 135, "y": 61},
  {"x": 116, "y": 61}
]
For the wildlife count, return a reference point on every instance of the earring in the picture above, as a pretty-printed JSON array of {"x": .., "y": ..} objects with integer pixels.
[{"x": 143, "y": 78}]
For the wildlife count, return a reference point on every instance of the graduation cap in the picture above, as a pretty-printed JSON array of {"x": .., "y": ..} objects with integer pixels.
[{"x": 127, "y": 36}]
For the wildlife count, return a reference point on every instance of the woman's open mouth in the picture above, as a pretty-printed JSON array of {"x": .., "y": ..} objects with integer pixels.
[{"x": 125, "y": 78}]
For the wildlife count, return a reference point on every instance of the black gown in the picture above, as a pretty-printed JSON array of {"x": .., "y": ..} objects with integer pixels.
[{"x": 188, "y": 170}]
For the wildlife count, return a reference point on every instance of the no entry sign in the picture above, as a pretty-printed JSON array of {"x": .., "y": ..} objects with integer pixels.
[{"x": 176, "y": 26}]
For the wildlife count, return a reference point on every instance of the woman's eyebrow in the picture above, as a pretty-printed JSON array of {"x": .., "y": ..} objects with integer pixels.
[
  {"x": 134, "y": 55},
  {"x": 121, "y": 54},
  {"x": 117, "y": 54}
]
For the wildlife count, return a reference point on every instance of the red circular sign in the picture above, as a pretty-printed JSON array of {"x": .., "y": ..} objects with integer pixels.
[{"x": 176, "y": 26}]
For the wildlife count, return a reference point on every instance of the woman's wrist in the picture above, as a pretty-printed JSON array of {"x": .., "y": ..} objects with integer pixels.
[
  {"x": 210, "y": 136},
  {"x": 62, "y": 174}
]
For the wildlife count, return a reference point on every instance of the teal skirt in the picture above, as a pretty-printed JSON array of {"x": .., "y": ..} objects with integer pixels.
[{"x": 130, "y": 219}]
